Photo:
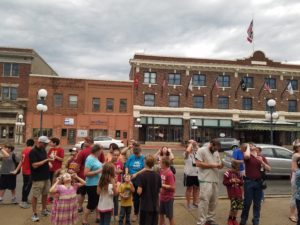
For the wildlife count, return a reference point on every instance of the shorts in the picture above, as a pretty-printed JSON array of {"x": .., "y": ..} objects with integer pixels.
[
  {"x": 81, "y": 190},
  {"x": 166, "y": 208},
  {"x": 8, "y": 181},
  {"x": 236, "y": 204},
  {"x": 190, "y": 181},
  {"x": 93, "y": 197},
  {"x": 40, "y": 188}
]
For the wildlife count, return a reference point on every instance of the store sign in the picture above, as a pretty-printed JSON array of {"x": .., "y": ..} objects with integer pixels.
[
  {"x": 82, "y": 133},
  {"x": 98, "y": 122},
  {"x": 69, "y": 121}
]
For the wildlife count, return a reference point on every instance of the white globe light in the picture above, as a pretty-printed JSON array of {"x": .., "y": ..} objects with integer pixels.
[
  {"x": 42, "y": 93},
  {"x": 18, "y": 123},
  {"x": 20, "y": 116},
  {"x": 275, "y": 115},
  {"x": 193, "y": 121},
  {"x": 268, "y": 116},
  {"x": 45, "y": 108},
  {"x": 138, "y": 119},
  {"x": 40, "y": 107},
  {"x": 271, "y": 102},
  {"x": 22, "y": 124}
]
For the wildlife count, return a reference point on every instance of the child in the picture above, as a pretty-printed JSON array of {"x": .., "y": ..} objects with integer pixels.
[
  {"x": 65, "y": 207},
  {"x": 126, "y": 190},
  {"x": 233, "y": 182},
  {"x": 297, "y": 181},
  {"x": 167, "y": 192},
  {"x": 118, "y": 178},
  {"x": 106, "y": 190}
]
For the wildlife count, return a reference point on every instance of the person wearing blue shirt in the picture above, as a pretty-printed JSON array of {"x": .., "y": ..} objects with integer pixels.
[
  {"x": 134, "y": 166},
  {"x": 238, "y": 157}
]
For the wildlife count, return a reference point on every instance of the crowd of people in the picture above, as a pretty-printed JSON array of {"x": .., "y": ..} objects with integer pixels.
[{"x": 126, "y": 179}]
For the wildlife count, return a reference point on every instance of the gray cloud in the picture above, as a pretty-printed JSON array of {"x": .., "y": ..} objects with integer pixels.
[{"x": 93, "y": 38}]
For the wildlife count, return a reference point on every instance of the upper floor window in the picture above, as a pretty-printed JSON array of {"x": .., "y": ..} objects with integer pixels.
[
  {"x": 9, "y": 93},
  {"x": 109, "y": 104},
  {"x": 223, "y": 102},
  {"x": 58, "y": 100},
  {"x": 199, "y": 80},
  {"x": 294, "y": 84},
  {"x": 96, "y": 104},
  {"x": 149, "y": 99},
  {"x": 292, "y": 106},
  {"x": 271, "y": 82},
  {"x": 123, "y": 105},
  {"x": 174, "y": 79},
  {"x": 247, "y": 103},
  {"x": 198, "y": 102},
  {"x": 173, "y": 101},
  {"x": 149, "y": 78},
  {"x": 248, "y": 82},
  {"x": 11, "y": 70},
  {"x": 224, "y": 80},
  {"x": 73, "y": 101}
]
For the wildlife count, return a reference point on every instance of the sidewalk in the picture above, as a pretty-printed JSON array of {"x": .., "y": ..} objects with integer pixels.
[{"x": 275, "y": 211}]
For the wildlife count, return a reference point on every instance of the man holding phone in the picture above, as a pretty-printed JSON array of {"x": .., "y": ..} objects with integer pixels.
[{"x": 209, "y": 162}]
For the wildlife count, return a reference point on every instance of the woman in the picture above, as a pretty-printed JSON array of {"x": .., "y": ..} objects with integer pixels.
[
  {"x": 134, "y": 166},
  {"x": 164, "y": 151},
  {"x": 92, "y": 172},
  {"x": 294, "y": 167},
  {"x": 7, "y": 178}
]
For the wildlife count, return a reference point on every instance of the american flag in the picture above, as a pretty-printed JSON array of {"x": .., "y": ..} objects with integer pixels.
[
  {"x": 250, "y": 32},
  {"x": 267, "y": 87}
]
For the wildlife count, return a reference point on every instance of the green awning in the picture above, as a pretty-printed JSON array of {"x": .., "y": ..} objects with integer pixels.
[{"x": 264, "y": 125}]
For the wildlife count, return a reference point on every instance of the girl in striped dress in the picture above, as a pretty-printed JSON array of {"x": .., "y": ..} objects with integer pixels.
[{"x": 65, "y": 207}]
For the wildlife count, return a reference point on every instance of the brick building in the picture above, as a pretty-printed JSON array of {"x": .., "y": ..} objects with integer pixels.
[
  {"x": 180, "y": 98},
  {"x": 15, "y": 66},
  {"x": 81, "y": 107}
]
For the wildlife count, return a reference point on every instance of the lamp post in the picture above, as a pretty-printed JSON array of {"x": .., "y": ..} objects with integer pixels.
[
  {"x": 41, "y": 107},
  {"x": 138, "y": 125},
  {"x": 19, "y": 127},
  {"x": 194, "y": 127},
  {"x": 271, "y": 115}
]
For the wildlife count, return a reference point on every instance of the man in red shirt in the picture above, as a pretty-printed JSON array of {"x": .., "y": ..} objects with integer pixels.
[
  {"x": 80, "y": 160},
  {"x": 57, "y": 153},
  {"x": 25, "y": 164}
]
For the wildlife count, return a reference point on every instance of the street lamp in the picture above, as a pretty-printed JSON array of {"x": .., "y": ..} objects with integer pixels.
[
  {"x": 41, "y": 107},
  {"x": 19, "y": 127},
  {"x": 194, "y": 127},
  {"x": 271, "y": 115},
  {"x": 138, "y": 123}
]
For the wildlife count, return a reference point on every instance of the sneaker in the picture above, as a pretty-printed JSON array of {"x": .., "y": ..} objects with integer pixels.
[
  {"x": 230, "y": 222},
  {"x": 80, "y": 210},
  {"x": 234, "y": 222},
  {"x": 116, "y": 218},
  {"x": 24, "y": 205},
  {"x": 211, "y": 222},
  {"x": 35, "y": 218},
  {"x": 45, "y": 212},
  {"x": 14, "y": 200},
  {"x": 192, "y": 206}
]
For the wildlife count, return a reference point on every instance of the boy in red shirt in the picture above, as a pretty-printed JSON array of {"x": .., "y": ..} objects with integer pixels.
[
  {"x": 167, "y": 192},
  {"x": 233, "y": 181},
  {"x": 56, "y": 153}
]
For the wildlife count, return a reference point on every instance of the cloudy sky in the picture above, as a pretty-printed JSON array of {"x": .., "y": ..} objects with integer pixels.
[{"x": 96, "y": 38}]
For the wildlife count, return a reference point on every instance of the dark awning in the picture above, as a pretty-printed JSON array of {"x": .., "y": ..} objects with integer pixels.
[{"x": 265, "y": 125}]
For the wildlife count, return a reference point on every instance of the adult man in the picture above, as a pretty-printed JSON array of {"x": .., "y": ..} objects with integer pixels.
[
  {"x": 209, "y": 163},
  {"x": 40, "y": 175},
  {"x": 149, "y": 184},
  {"x": 25, "y": 164},
  {"x": 254, "y": 164},
  {"x": 80, "y": 160}
]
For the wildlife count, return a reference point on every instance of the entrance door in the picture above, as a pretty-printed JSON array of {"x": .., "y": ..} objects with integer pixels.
[
  {"x": 7, "y": 133},
  {"x": 71, "y": 136}
]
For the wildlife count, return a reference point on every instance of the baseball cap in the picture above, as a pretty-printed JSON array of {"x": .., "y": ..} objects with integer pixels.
[{"x": 44, "y": 139}]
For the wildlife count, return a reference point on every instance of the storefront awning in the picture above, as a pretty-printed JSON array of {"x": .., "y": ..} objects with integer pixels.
[{"x": 265, "y": 125}]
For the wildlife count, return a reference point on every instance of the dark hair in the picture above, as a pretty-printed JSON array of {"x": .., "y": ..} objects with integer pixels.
[
  {"x": 55, "y": 140},
  {"x": 215, "y": 142},
  {"x": 113, "y": 146},
  {"x": 10, "y": 146},
  {"x": 30, "y": 142},
  {"x": 235, "y": 164},
  {"x": 298, "y": 162},
  {"x": 166, "y": 161},
  {"x": 136, "y": 150},
  {"x": 162, "y": 153},
  {"x": 96, "y": 148},
  {"x": 89, "y": 140},
  {"x": 108, "y": 172},
  {"x": 149, "y": 161}
]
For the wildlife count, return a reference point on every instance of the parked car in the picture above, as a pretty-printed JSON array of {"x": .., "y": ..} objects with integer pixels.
[
  {"x": 278, "y": 157},
  {"x": 105, "y": 141},
  {"x": 227, "y": 143}
]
